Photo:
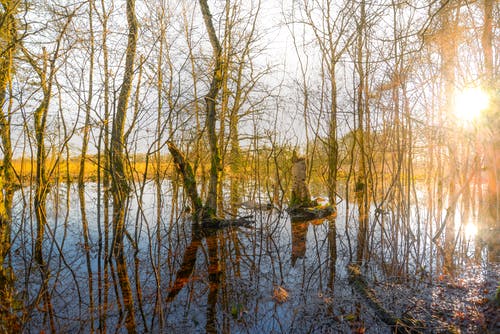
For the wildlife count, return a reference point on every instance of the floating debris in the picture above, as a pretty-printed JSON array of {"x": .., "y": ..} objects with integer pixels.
[{"x": 280, "y": 295}]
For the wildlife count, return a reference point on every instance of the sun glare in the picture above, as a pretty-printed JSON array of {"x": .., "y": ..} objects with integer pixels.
[
  {"x": 470, "y": 102},
  {"x": 470, "y": 230}
]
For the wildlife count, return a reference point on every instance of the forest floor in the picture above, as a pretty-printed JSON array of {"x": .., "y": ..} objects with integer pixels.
[{"x": 462, "y": 304}]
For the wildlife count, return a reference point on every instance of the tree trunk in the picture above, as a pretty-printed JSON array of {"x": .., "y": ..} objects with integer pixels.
[
  {"x": 188, "y": 178},
  {"x": 405, "y": 324},
  {"x": 448, "y": 52},
  {"x": 106, "y": 176},
  {"x": 42, "y": 188},
  {"x": 210, "y": 100},
  {"x": 81, "y": 174},
  {"x": 333, "y": 150},
  {"x": 362, "y": 114},
  {"x": 493, "y": 144},
  {"x": 301, "y": 197},
  {"x": 8, "y": 31},
  {"x": 119, "y": 182}
]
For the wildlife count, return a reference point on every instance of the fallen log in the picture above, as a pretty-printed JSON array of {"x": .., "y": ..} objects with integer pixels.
[
  {"x": 220, "y": 223},
  {"x": 403, "y": 325}
]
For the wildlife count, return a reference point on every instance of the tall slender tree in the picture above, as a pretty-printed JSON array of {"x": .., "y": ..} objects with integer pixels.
[
  {"x": 83, "y": 163},
  {"x": 211, "y": 113},
  {"x": 120, "y": 177},
  {"x": 8, "y": 47}
]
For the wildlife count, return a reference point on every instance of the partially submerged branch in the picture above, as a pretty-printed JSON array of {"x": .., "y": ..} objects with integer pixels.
[
  {"x": 406, "y": 324},
  {"x": 199, "y": 211},
  {"x": 188, "y": 177}
]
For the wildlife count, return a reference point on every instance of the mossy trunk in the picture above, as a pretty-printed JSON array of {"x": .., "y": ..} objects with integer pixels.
[
  {"x": 188, "y": 178},
  {"x": 8, "y": 30},
  {"x": 210, "y": 101},
  {"x": 300, "y": 197}
]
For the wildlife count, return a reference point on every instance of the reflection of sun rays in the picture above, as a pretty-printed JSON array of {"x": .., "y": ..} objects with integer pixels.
[{"x": 470, "y": 102}]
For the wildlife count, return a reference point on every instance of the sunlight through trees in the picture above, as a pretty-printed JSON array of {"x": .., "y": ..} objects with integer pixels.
[{"x": 249, "y": 166}]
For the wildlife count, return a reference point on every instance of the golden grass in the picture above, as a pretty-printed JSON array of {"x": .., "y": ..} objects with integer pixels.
[{"x": 64, "y": 170}]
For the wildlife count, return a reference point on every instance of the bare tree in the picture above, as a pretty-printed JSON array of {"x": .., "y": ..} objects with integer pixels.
[
  {"x": 211, "y": 114},
  {"x": 46, "y": 72},
  {"x": 83, "y": 162},
  {"x": 119, "y": 180},
  {"x": 8, "y": 47}
]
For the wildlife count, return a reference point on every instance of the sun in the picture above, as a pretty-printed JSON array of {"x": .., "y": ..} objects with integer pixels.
[
  {"x": 470, "y": 230},
  {"x": 470, "y": 102}
]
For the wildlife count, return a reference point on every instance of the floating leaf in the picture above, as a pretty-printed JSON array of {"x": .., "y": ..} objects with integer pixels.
[
  {"x": 280, "y": 295},
  {"x": 360, "y": 330}
]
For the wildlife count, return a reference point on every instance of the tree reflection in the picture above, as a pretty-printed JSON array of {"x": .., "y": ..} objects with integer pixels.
[
  {"x": 299, "y": 230},
  {"x": 299, "y": 236},
  {"x": 187, "y": 265},
  {"x": 183, "y": 276}
]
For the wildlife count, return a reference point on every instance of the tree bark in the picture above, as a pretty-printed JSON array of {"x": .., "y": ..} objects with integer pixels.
[
  {"x": 301, "y": 197},
  {"x": 448, "y": 50},
  {"x": 8, "y": 31},
  {"x": 211, "y": 100},
  {"x": 81, "y": 174},
  {"x": 119, "y": 182},
  {"x": 188, "y": 178},
  {"x": 362, "y": 115}
]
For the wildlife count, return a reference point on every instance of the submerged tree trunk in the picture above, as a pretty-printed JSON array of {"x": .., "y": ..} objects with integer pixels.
[
  {"x": 8, "y": 31},
  {"x": 492, "y": 160},
  {"x": 119, "y": 182},
  {"x": 362, "y": 116},
  {"x": 81, "y": 174},
  {"x": 448, "y": 50},
  {"x": 42, "y": 185},
  {"x": 46, "y": 74},
  {"x": 406, "y": 324}
]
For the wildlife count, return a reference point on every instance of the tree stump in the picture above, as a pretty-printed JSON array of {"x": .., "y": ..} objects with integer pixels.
[
  {"x": 301, "y": 197},
  {"x": 301, "y": 207}
]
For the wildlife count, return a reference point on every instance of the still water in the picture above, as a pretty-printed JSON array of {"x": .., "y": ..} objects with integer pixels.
[{"x": 275, "y": 276}]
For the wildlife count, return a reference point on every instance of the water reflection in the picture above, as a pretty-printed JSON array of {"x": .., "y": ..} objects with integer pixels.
[
  {"x": 299, "y": 237},
  {"x": 299, "y": 230},
  {"x": 185, "y": 272},
  {"x": 222, "y": 280},
  {"x": 188, "y": 261}
]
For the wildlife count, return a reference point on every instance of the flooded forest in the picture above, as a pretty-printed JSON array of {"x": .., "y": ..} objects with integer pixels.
[{"x": 234, "y": 166}]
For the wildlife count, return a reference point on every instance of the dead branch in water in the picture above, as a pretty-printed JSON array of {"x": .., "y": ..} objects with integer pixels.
[{"x": 404, "y": 325}]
